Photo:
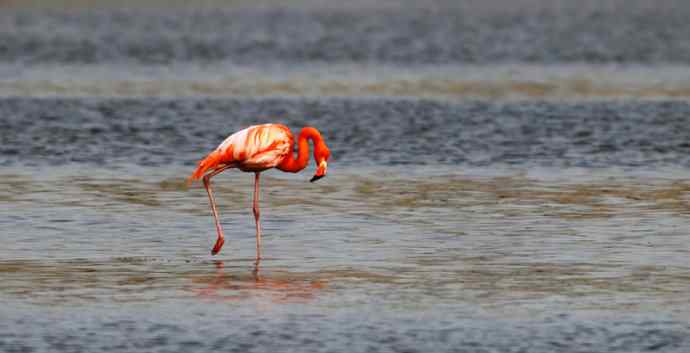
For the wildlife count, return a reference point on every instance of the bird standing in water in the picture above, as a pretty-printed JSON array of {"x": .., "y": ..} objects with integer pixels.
[{"x": 256, "y": 149}]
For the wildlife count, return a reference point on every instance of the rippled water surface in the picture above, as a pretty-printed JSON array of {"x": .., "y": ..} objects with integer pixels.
[
  {"x": 503, "y": 179},
  {"x": 423, "y": 258}
]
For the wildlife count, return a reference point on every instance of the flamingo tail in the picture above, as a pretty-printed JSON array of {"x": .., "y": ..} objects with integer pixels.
[{"x": 212, "y": 161}]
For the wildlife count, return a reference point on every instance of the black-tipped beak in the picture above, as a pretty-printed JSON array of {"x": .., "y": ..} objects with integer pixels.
[
  {"x": 315, "y": 178},
  {"x": 320, "y": 171}
]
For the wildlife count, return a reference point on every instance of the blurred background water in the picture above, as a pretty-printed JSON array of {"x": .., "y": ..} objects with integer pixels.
[{"x": 506, "y": 176}]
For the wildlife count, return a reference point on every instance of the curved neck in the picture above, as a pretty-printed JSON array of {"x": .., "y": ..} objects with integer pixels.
[{"x": 290, "y": 164}]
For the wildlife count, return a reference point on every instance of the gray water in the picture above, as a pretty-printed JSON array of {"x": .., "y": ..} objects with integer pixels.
[{"x": 502, "y": 179}]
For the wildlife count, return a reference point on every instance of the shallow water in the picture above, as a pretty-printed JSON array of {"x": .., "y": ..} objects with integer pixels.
[
  {"x": 503, "y": 179},
  {"x": 387, "y": 257}
]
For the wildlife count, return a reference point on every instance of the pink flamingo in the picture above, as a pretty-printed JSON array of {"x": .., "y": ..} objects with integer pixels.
[{"x": 256, "y": 149}]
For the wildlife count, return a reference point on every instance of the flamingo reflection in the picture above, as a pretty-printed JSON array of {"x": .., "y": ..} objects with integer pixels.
[{"x": 276, "y": 286}]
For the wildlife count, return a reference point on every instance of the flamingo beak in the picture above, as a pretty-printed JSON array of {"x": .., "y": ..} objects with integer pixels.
[{"x": 320, "y": 171}]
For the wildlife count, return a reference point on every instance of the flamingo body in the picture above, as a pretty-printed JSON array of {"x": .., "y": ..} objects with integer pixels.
[
  {"x": 256, "y": 149},
  {"x": 253, "y": 149}
]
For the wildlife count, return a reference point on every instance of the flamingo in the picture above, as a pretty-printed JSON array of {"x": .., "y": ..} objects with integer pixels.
[{"x": 255, "y": 149}]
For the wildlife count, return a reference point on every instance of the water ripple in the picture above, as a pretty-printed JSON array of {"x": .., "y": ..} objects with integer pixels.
[{"x": 148, "y": 132}]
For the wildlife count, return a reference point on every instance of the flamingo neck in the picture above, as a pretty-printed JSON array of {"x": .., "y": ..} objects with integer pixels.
[{"x": 290, "y": 164}]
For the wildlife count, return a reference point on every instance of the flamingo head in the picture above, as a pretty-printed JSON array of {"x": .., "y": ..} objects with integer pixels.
[{"x": 321, "y": 155}]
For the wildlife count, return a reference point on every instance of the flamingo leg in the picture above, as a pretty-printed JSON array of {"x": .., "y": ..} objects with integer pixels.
[
  {"x": 207, "y": 184},
  {"x": 256, "y": 216}
]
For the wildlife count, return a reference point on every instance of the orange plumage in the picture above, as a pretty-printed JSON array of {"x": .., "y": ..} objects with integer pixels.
[{"x": 254, "y": 149}]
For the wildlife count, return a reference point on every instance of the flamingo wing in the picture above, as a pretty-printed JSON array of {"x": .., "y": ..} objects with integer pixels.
[{"x": 255, "y": 148}]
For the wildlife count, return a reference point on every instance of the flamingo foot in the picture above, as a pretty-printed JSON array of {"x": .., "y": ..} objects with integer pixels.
[{"x": 219, "y": 244}]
